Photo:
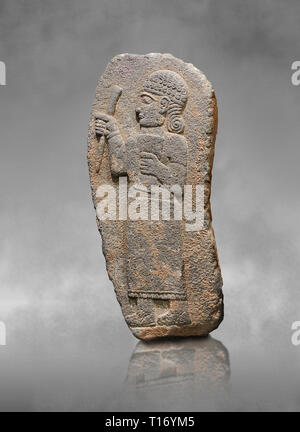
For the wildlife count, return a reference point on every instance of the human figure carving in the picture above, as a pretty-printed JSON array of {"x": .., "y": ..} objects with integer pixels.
[{"x": 157, "y": 155}]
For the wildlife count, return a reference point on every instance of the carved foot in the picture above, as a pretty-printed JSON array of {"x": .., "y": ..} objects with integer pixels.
[
  {"x": 140, "y": 319},
  {"x": 175, "y": 317}
]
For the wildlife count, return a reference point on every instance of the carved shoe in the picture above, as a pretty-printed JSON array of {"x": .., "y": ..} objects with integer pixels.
[
  {"x": 140, "y": 319},
  {"x": 175, "y": 317}
]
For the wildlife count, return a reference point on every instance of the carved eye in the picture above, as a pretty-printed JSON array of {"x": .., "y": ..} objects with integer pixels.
[{"x": 147, "y": 99}]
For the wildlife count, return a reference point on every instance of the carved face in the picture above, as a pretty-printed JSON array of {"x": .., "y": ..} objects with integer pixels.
[{"x": 151, "y": 110}]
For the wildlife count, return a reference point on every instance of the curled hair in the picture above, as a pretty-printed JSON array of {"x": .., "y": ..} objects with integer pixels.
[{"x": 175, "y": 122}]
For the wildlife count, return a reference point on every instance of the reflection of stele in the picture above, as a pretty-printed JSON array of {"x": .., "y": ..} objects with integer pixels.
[
  {"x": 181, "y": 368},
  {"x": 156, "y": 156}
]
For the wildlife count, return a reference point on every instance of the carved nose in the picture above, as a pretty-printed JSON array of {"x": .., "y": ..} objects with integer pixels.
[{"x": 138, "y": 114}]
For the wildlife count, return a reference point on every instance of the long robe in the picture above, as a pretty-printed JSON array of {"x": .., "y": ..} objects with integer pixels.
[{"x": 154, "y": 257}]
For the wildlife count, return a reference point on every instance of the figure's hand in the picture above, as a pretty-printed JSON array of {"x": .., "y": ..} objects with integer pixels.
[
  {"x": 149, "y": 164},
  {"x": 105, "y": 124}
]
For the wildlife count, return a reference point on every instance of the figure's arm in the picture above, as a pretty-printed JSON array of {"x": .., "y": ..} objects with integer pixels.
[
  {"x": 106, "y": 125},
  {"x": 174, "y": 171},
  {"x": 177, "y": 172}
]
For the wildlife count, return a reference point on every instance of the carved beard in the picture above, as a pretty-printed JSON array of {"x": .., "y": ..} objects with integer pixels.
[{"x": 154, "y": 120}]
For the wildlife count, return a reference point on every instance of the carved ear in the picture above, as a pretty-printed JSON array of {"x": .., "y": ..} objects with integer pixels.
[{"x": 164, "y": 104}]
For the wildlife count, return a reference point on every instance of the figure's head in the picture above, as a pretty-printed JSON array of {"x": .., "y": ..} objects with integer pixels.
[{"x": 164, "y": 98}]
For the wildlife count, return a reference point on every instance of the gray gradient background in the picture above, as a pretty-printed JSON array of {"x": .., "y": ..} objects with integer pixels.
[{"x": 68, "y": 347}]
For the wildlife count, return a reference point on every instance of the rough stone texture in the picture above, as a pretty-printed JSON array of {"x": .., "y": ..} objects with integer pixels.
[{"x": 154, "y": 122}]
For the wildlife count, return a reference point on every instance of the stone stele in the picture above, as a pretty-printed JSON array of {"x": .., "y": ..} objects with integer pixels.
[{"x": 153, "y": 125}]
